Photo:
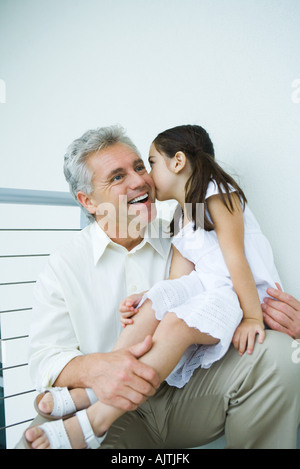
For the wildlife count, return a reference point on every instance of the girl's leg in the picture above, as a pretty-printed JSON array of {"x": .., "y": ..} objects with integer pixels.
[
  {"x": 144, "y": 323},
  {"x": 170, "y": 340}
]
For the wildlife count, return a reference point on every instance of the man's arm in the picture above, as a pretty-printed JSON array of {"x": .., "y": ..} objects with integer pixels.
[
  {"x": 118, "y": 378},
  {"x": 55, "y": 359},
  {"x": 283, "y": 313}
]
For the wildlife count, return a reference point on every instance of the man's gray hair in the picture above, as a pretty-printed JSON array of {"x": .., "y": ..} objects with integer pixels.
[{"x": 77, "y": 173}]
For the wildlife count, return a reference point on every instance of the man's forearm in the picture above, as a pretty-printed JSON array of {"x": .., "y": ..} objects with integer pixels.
[
  {"x": 118, "y": 378},
  {"x": 78, "y": 372}
]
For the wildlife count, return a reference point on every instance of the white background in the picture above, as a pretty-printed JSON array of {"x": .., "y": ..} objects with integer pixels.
[{"x": 228, "y": 65}]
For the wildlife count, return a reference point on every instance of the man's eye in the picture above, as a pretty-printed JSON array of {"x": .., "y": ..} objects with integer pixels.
[
  {"x": 117, "y": 178},
  {"x": 141, "y": 167}
]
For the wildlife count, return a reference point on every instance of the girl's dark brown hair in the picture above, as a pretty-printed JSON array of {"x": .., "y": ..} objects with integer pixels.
[{"x": 197, "y": 146}]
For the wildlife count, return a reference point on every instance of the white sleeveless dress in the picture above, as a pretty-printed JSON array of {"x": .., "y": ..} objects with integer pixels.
[{"x": 206, "y": 299}]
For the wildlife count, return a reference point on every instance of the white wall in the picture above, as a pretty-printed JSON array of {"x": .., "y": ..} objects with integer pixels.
[{"x": 229, "y": 65}]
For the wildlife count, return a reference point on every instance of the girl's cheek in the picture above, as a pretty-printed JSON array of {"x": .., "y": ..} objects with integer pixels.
[{"x": 152, "y": 176}]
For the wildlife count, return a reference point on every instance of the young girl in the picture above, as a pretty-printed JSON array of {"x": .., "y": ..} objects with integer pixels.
[{"x": 193, "y": 318}]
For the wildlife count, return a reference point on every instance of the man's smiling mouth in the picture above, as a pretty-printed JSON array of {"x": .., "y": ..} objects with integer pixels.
[{"x": 140, "y": 199}]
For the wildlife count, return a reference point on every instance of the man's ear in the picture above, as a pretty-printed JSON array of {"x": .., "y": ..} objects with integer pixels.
[
  {"x": 179, "y": 161},
  {"x": 86, "y": 201}
]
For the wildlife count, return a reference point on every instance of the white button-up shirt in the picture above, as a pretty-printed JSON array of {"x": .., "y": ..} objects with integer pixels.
[{"x": 77, "y": 296}]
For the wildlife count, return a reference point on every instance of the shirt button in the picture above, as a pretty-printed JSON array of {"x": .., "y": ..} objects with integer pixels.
[{"x": 133, "y": 288}]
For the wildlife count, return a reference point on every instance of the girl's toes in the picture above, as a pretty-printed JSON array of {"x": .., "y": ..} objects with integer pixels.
[
  {"x": 37, "y": 438},
  {"x": 33, "y": 433},
  {"x": 46, "y": 403},
  {"x": 41, "y": 443}
]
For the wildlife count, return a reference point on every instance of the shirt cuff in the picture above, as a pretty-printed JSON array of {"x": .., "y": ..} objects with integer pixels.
[{"x": 49, "y": 375}]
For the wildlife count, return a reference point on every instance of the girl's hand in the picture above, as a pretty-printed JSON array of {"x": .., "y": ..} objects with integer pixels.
[
  {"x": 128, "y": 308},
  {"x": 245, "y": 334}
]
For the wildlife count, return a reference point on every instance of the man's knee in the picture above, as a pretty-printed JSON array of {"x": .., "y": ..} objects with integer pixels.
[
  {"x": 267, "y": 398},
  {"x": 279, "y": 350},
  {"x": 277, "y": 364}
]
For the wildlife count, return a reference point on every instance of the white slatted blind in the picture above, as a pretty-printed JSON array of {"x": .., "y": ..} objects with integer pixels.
[{"x": 28, "y": 234}]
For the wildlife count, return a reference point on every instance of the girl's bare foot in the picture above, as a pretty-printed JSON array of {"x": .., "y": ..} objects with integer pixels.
[
  {"x": 38, "y": 439},
  {"x": 79, "y": 397}
]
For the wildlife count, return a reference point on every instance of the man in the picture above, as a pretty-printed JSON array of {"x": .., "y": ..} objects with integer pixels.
[
  {"x": 254, "y": 399},
  {"x": 283, "y": 313}
]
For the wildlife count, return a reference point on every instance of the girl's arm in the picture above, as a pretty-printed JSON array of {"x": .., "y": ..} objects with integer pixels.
[
  {"x": 179, "y": 266},
  {"x": 229, "y": 228}
]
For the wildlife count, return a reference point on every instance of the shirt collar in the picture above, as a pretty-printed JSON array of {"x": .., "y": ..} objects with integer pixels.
[
  {"x": 100, "y": 241},
  {"x": 157, "y": 237},
  {"x": 153, "y": 237}
]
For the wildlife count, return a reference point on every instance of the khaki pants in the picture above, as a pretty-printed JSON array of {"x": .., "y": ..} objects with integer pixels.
[{"x": 253, "y": 399}]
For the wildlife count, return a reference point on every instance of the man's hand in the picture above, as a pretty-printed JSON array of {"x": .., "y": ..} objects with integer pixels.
[
  {"x": 119, "y": 379},
  {"x": 283, "y": 313}
]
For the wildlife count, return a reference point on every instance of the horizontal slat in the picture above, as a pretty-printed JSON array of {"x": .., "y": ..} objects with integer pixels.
[
  {"x": 14, "y": 434},
  {"x": 14, "y": 352},
  {"x": 19, "y": 408},
  {"x": 38, "y": 217},
  {"x": 15, "y": 324},
  {"x": 16, "y": 297},
  {"x": 28, "y": 234},
  {"x": 17, "y": 381},
  {"x": 32, "y": 242},
  {"x": 35, "y": 197},
  {"x": 21, "y": 269}
]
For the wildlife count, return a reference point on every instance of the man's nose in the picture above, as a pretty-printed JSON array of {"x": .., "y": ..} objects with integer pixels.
[{"x": 136, "y": 180}]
